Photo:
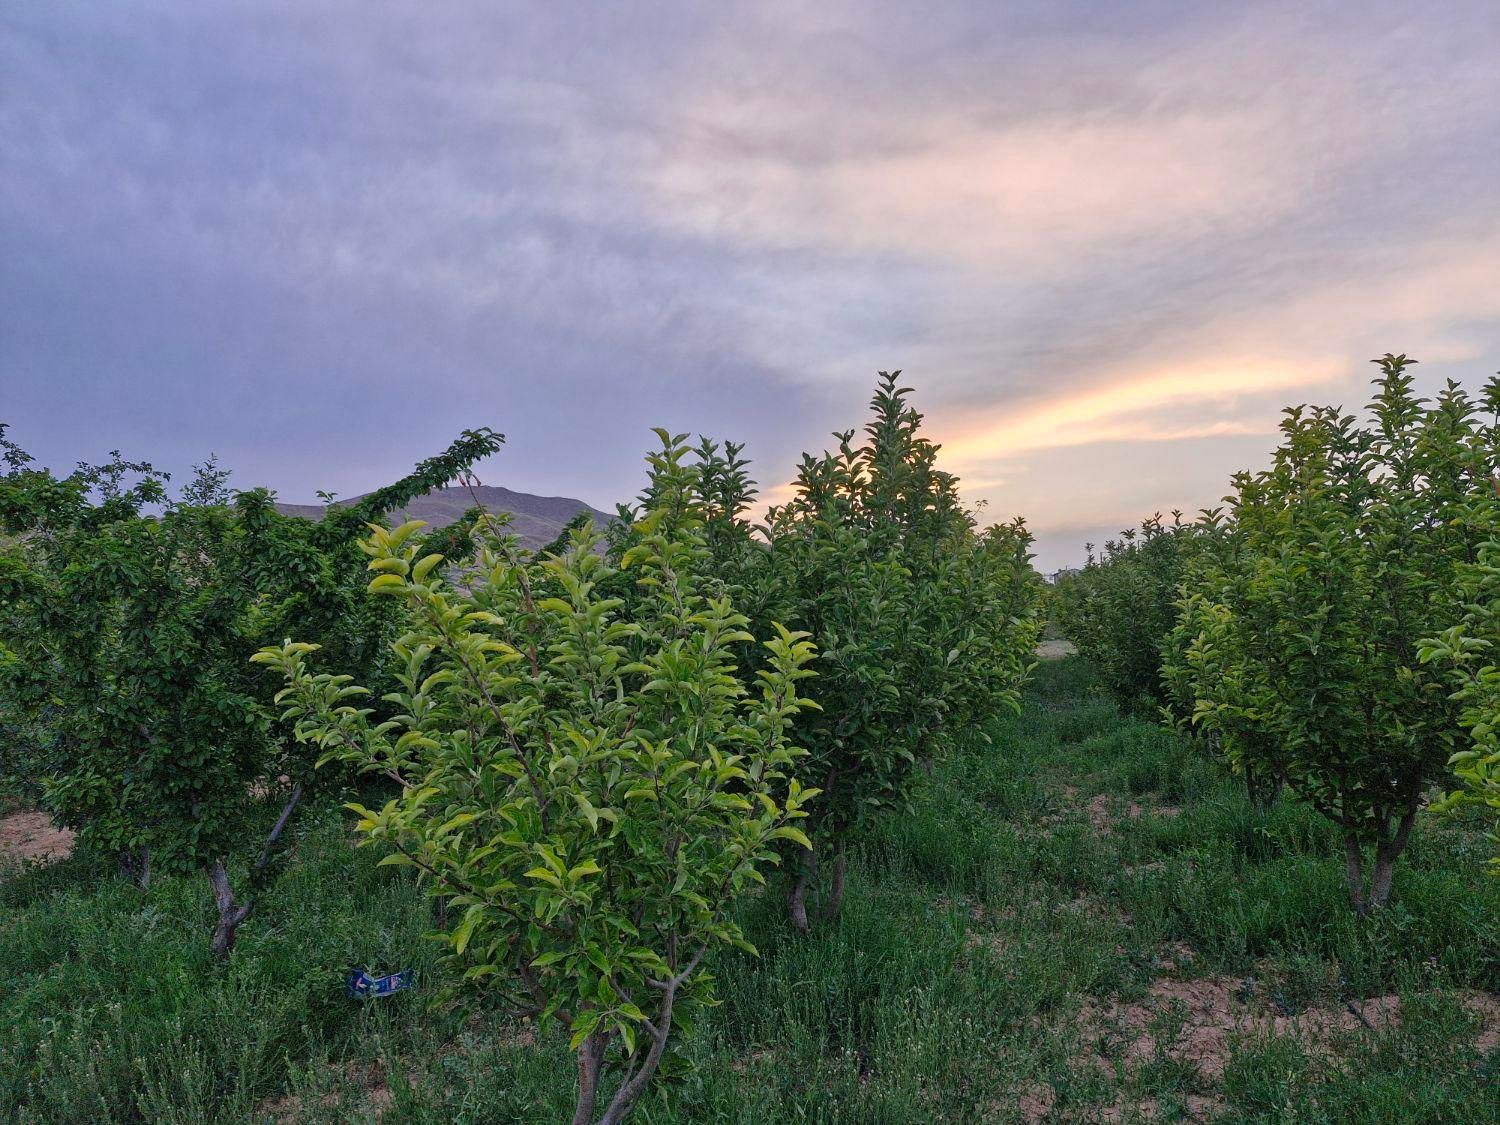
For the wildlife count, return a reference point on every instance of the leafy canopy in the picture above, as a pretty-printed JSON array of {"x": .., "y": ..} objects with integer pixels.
[
  {"x": 925, "y": 623},
  {"x": 1301, "y": 639},
  {"x": 589, "y": 785},
  {"x": 127, "y": 615}
]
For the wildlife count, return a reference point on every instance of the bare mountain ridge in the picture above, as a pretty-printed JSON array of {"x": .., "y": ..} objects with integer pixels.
[{"x": 536, "y": 519}]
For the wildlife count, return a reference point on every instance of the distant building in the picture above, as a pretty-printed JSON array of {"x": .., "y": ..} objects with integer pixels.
[{"x": 1057, "y": 575}]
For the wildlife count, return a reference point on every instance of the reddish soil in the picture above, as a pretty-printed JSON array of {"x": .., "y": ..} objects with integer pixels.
[
  {"x": 1215, "y": 1010},
  {"x": 31, "y": 837},
  {"x": 1038, "y": 1104},
  {"x": 1203, "y": 1018}
]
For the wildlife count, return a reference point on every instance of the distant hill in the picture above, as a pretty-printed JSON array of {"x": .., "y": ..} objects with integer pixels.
[{"x": 536, "y": 519}]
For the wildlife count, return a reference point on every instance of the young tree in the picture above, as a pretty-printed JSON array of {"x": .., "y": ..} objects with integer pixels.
[
  {"x": 1195, "y": 669},
  {"x": 1466, "y": 652},
  {"x": 1120, "y": 609},
  {"x": 133, "y": 628},
  {"x": 589, "y": 783},
  {"x": 925, "y": 624},
  {"x": 1304, "y": 650}
]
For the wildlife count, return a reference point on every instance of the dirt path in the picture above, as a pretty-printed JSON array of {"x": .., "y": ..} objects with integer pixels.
[
  {"x": 28, "y": 836},
  {"x": 1055, "y": 649}
]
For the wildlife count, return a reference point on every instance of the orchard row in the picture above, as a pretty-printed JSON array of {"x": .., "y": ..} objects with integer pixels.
[
  {"x": 588, "y": 752},
  {"x": 1332, "y": 628}
]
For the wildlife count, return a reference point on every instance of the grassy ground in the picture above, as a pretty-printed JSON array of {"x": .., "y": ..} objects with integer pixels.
[{"x": 1083, "y": 920}]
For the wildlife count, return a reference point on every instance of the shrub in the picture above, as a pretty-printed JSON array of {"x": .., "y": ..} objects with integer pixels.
[
  {"x": 1119, "y": 610},
  {"x": 925, "y": 623},
  {"x": 1305, "y": 636},
  {"x": 589, "y": 786},
  {"x": 131, "y": 630},
  {"x": 1466, "y": 652},
  {"x": 1226, "y": 673}
]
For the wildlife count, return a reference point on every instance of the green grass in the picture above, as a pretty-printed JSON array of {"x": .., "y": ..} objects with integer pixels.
[{"x": 978, "y": 934}]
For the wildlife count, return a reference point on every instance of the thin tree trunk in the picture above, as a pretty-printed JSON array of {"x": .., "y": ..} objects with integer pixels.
[
  {"x": 1263, "y": 791},
  {"x": 136, "y": 863},
  {"x": 230, "y": 913},
  {"x": 590, "y": 1060},
  {"x": 796, "y": 899},
  {"x": 1278, "y": 783},
  {"x": 1385, "y": 859},
  {"x": 835, "y": 897},
  {"x": 1380, "y": 879},
  {"x": 1354, "y": 872},
  {"x": 631, "y": 1089},
  {"x": 280, "y": 826}
]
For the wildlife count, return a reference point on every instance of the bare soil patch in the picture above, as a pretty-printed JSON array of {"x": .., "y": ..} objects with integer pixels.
[
  {"x": 1094, "y": 909},
  {"x": 369, "y": 1080},
  {"x": 1198, "y": 1021},
  {"x": 1039, "y": 1104},
  {"x": 1103, "y": 813},
  {"x": 27, "y": 837},
  {"x": 1101, "y": 817}
]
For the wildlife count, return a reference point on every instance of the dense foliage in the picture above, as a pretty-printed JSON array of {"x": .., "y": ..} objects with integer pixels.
[
  {"x": 1297, "y": 642},
  {"x": 981, "y": 937},
  {"x": 1121, "y": 607},
  {"x": 591, "y": 755},
  {"x": 596, "y": 748},
  {"x": 1467, "y": 652},
  {"x": 925, "y": 623},
  {"x": 129, "y": 630},
  {"x": 592, "y": 789},
  {"x": 1349, "y": 549}
]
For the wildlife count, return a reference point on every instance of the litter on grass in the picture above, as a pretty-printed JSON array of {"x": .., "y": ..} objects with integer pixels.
[{"x": 361, "y": 985}]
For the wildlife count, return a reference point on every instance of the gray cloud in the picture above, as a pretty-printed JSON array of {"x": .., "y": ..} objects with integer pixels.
[{"x": 318, "y": 237}]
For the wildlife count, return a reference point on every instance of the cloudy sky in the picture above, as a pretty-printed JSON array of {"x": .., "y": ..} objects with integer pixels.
[{"x": 1105, "y": 241}]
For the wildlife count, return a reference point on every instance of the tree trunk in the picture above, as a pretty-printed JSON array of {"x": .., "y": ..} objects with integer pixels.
[
  {"x": 230, "y": 913},
  {"x": 1263, "y": 791},
  {"x": 590, "y": 1062},
  {"x": 1354, "y": 872},
  {"x": 1380, "y": 879},
  {"x": 835, "y": 897},
  {"x": 293, "y": 799},
  {"x": 1386, "y": 855},
  {"x": 136, "y": 863},
  {"x": 1387, "y": 851},
  {"x": 635, "y": 1082},
  {"x": 796, "y": 899},
  {"x": 1278, "y": 783}
]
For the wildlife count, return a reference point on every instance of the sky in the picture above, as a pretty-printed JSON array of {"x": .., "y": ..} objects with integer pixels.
[{"x": 1105, "y": 242}]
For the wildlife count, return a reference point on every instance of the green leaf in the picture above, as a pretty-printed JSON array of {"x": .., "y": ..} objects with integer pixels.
[
  {"x": 787, "y": 832},
  {"x": 587, "y": 807},
  {"x": 465, "y": 928}
]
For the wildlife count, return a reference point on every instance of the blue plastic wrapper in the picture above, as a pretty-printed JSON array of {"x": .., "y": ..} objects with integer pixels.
[{"x": 361, "y": 985}]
